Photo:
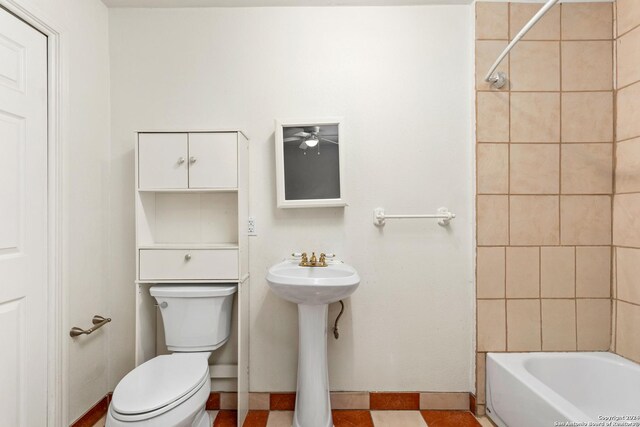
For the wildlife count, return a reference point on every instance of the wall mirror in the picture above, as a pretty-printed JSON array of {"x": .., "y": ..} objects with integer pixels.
[{"x": 310, "y": 163}]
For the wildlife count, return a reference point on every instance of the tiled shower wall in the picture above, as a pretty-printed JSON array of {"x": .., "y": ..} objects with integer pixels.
[
  {"x": 626, "y": 230},
  {"x": 545, "y": 181}
]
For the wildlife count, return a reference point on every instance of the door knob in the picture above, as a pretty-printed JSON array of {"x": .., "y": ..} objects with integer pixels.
[
  {"x": 187, "y": 257},
  {"x": 181, "y": 160},
  {"x": 192, "y": 160}
]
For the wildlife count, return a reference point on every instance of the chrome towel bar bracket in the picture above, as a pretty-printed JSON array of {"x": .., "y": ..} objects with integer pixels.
[
  {"x": 98, "y": 322},
  {"x": 443, "y": 215}
]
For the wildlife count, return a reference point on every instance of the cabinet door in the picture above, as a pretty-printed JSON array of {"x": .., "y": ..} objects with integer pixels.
[
  {"x": 213, "y": 160},
  {"x": 162, "y": 160}
]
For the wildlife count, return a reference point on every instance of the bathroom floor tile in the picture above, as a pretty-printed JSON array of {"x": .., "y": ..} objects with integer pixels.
[
  {"x": 101, "y": 422},
  {"x": 280, "y": 419},
  {"x": 449, "y": 419},
  {"x": 256, "y": 419},
  {"x": 485, "y": 422},
  {"x": 352, "y": 419},
  {"x": 397, "y": 419},
  {"x": 226, "y": 419}
]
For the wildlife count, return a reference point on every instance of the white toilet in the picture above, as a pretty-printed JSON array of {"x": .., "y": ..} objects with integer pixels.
[{"x": 171, "y": 390}]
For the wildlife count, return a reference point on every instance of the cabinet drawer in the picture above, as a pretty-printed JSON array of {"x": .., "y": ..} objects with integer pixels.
[{"x": 183, "y": 264}]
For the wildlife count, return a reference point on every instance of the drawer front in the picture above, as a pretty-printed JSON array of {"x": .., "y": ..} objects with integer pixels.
[{"x": 183, "y": 264}]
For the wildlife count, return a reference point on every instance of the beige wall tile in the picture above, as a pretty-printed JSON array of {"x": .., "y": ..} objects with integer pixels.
[
  {"x": 587, "y": 117},
  {"x": 445, "y": 401},
  {"x": 590, "y": 21},
  {"x": 535, "y": 168},
  {"x": 480, "y": 412},
  {"x": 548, "y": 28},
  {"x": 594, "y": 324},
  {"x": 493, "y": 117},
  {"x": 628, "y": 58},
  {"x": 228, "y": 401},
  {"x": 523, "y": 272},
  {"x": 628, "y": 166},
  {"x": 628, "y": 274},
  {"x": 593, "y": 272},
  {"x": 535, "y": 117},
  {"x": 350, "y": 400},
  {"x": 587, "y": 65},
  {"x": 481, "y": 371},
  {"x": 627, "y": 336},
  {"x": 492, "y": 20},
  {"x": 535, "y": 66},
  {"x": 493, "y": 220},
  {"x": 587, "y": 168},
  {"x": 557, "y": 272},
  {"x": 523, "y": 320},
  {"x": 585, "y": 220},
  {"x": 628, "y": 112},
  {"x": 491, "y": 325},
  {"x": 493, "y": 168},
  {"x": 486, "y": 53},
  {"x": 491, "y": 272},
  {"x": 259, "y": 401},
  {"x": 628, "y": 15},
  {"x": 534, "y": 220},
  {"x": 558, "y": 325},
  {"x": 626, "y": 222}
]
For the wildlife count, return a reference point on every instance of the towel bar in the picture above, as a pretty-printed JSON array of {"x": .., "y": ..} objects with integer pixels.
[
  {"x": 444, "y": 216},
  {"x": 98, "y": 322}
]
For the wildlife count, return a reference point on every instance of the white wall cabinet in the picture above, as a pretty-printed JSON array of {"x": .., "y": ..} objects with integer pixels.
[
  {"x": 196, "y": 160},
  {"x": 192, "y": 208}
]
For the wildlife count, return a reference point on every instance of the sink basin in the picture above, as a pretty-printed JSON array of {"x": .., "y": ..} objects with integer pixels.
[
  {"x": 312, "y": 285},
  {"x": 313, "y": 289}
]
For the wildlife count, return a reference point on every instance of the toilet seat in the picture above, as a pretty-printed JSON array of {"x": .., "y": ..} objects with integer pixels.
[{"x": 159, "y": 385}]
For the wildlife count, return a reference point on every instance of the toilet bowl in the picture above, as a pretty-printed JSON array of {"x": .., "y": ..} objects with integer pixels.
[{"x": 172, "y": 390}]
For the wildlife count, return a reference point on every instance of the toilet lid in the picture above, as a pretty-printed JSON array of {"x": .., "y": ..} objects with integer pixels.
[{"x": 159, "y": 382}]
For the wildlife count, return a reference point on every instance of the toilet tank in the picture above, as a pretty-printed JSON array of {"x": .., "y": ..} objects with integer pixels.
[{"x": 195, "y": 317}]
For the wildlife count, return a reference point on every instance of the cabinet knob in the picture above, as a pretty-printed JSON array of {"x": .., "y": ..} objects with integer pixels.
[
  {"x": 187, "y": 257},
  {"x": 181, "y": 160},
  {"x": 192, "y": 160}
]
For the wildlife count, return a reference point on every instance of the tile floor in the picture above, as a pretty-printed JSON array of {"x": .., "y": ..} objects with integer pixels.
[{"x": 354, "y": 419}]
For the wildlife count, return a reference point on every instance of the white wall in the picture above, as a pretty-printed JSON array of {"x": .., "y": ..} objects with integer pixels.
[
  {"x": 401, "y": 77},
  {"x": 83, "y": 25}
]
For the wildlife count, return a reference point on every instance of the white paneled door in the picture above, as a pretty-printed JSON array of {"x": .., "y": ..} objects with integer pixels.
[{"x": 23, "y": 224}]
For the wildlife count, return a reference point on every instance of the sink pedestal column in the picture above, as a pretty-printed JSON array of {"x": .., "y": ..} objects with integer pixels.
[{"x": 313, "y": 407}]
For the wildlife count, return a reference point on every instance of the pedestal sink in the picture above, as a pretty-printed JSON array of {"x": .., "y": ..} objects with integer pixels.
[{"x": 313, "y": 289}]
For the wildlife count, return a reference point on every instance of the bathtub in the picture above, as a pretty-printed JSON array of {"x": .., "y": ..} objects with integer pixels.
[{"x": 555, "y": 389}]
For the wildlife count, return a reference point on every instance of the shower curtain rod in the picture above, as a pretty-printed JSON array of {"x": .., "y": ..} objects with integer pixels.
[{"x": 499, "y": 79}]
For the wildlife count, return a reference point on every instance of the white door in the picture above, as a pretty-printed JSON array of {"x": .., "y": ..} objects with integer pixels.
[
  {"x": 23, "y": 224},
  {"x": 213, "y": 160},
  {"x": 162, "y": 161}
]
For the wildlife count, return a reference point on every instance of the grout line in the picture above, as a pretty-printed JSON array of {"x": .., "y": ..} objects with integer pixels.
[
  {"x": 556, "y": 91},
  {"x": 540, "y": 291},
  {"x": 550, "y": 40},
  {"x": 628, "y": 85},
  {"x": 553, "y": 298},
  {"x": 628, "y": 139},
  {"x": 619, "y": 36}
]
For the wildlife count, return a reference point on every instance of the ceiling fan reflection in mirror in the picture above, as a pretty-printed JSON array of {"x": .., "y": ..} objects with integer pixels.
[{"x": 309, "y": 137}]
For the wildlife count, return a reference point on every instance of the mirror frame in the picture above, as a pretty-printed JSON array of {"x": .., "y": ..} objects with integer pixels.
[{"x": 308, "y": 203}]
